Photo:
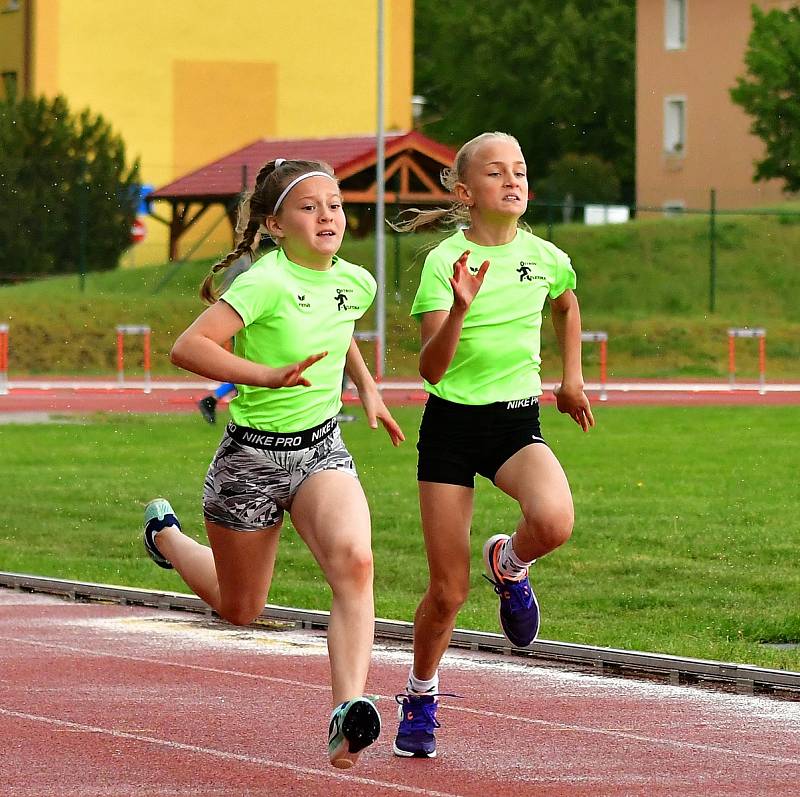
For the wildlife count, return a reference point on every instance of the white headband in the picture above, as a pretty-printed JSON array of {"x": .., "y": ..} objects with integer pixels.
[{"x": 278, "y": 162}]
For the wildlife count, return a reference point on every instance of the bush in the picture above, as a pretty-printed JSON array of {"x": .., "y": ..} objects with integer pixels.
[{"x": 69, "y": 200}]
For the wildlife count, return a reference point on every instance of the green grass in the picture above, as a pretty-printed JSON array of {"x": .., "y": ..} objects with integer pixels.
[
  {"x": 685, "y": 542},
  {"x": 645, "y": 282}
]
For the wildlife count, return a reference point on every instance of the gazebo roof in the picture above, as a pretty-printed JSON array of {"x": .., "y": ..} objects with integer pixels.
[{"x": 347, "y": 156}]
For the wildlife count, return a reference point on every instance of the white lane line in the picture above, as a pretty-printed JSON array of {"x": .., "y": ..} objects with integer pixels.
[
  {"x": 734, "y": 753},
  {"x": 138, "y": 384},
  {"x": 146, "y": 660},
  {"x": 224, "y": 754},
  {"x": 708, "y": 748}
]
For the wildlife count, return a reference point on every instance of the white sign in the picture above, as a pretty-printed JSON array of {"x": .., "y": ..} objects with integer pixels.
[{"x": 606, "y": 214}]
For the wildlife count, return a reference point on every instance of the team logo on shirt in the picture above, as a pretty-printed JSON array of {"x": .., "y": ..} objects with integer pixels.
[
  {"x": 342, "y": 299},
  {"x": 301, "y": 300},
  {"x": 526, "y": 272}
]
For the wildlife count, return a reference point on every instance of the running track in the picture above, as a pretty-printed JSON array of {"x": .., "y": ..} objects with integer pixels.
[
  {"x": 71, "y": 396},
  {"x": 98, "y": 701},
  {"x": 128, "y": 702}
]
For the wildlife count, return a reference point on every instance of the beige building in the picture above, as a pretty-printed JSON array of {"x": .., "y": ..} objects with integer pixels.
[
  {"x": 690, "y": 137},
  {"x": 186, "y": 82}
]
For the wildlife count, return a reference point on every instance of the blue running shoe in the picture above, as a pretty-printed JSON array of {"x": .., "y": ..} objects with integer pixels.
[
  {"x": 415, "y": 736},
  {"x": 519, "y": 611},
  {"x": 158, "y": 514},
  {"x": 355, "y": 725}
]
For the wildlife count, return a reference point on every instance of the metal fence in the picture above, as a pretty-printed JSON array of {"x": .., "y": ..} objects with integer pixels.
[{"x": 552, "y": 213}]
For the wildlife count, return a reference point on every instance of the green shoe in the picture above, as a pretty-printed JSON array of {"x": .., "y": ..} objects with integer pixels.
[
  {"x": 355, "y": 725},
  {"x": 158, "y": 514}
]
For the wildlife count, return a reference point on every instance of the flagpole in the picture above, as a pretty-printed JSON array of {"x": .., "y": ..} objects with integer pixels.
[{"x": 380, "y": 206}]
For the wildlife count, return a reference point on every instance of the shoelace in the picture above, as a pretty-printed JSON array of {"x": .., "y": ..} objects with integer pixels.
[
  {"x": 517, "y": 593},
  {"x": 426, "y": 719}
]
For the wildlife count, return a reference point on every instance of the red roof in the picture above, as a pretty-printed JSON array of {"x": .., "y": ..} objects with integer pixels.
[{"x": 223, "y": 177}]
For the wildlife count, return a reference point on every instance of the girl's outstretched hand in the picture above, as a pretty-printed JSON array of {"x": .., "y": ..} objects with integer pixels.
[
  {"x": 573, "y": 402},
  {"x": 465, "y": 284},
  {"x": 376, "y": 410},
  {"x": 292, "y": 375}
]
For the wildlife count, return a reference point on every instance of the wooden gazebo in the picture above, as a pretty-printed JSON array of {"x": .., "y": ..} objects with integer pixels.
[{"x": 412, "y": 166}]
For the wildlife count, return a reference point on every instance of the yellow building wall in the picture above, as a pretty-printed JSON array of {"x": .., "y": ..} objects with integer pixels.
[
  {"x": 12, "y": 46},
  {"x": 187, "y": 81}
]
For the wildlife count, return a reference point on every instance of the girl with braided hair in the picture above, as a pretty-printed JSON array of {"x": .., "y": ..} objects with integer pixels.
[{"x": 282, "y": 450}]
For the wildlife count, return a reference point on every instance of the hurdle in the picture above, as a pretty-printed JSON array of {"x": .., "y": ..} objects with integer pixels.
[
  {"x": 372, "y": 335},
  {"x": 747, "y": 332},
  {"x": 3, "y": 359},
  {"x": 128, "y": 329},
  {"x": 602, "y": 339}
]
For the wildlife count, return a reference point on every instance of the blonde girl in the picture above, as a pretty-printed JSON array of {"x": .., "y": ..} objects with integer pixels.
[
  {"x": 479, "y": 304},
  {"x": 282, "y": 450}
]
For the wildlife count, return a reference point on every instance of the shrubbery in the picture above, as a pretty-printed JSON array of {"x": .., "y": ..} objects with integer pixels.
[{"x": 68, "y": 199}]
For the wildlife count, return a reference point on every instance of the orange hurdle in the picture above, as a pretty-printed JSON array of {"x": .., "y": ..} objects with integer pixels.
[
  {"x": 127, "y": 329},
  {"x": 3, "y": 359},
  {"x": 602, "y": 339},
  {"x": 747, "y": 332}
]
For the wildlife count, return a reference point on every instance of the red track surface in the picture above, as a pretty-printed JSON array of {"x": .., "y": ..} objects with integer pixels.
[
  {"x": 124, "y": 702},
  {"x": 132, "y": 702},
  {"x": 65, "y": 400}
]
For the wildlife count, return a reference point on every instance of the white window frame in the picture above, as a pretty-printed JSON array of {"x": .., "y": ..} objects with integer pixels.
[
  {"x": 674, "y": 127},
  {"x": 675, "y": 24}
]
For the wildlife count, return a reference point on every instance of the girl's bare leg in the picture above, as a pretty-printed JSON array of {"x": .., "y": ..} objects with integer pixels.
[
  {"x": 535, "y": 478},
  {"x": 446, "y": 511},
  {"x": 331, "y": 515},
  {"x": 233, "y": 576}
]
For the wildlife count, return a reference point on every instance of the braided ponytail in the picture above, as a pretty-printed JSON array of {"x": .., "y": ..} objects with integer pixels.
[
  {"x": 253, "y": 210},
  {"x": 247, "y": 246}
]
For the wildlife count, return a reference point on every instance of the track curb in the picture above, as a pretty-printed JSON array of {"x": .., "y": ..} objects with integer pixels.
[{"x": 743, "y": 679}]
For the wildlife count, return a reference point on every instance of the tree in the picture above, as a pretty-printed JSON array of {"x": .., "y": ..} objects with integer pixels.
[
  {"x": 68, "y": 199},
  {"x": 586, "y": 178},
  {"x": 558, "y": 76},
  {"x": 770, "y": 93}
]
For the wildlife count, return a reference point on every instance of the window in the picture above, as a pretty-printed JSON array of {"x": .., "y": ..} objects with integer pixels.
[
  {"x": 674, "y": 125},
  {"x": 675, "y": 24}
]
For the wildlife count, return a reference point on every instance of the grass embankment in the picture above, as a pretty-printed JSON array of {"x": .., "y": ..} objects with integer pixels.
[
  {"x": 646, "y": 283},
  {"x": 685, "y": 542}
]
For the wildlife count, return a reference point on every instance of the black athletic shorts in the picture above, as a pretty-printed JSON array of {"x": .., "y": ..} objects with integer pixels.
[{"x": 456, "y": 441}]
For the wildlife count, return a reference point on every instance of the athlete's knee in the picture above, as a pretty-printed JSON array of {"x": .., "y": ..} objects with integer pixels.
[
  {"x": 551, "y": 528},
  {"x": 352, "y": 568},
  {"x": 555, "y": 531},
  {"x": 447, "y": 596},
  {"x": 559, "y": 532},
  {"x": 241, "y": 612}
]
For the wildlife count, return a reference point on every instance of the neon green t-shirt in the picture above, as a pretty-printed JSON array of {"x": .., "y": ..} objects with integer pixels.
[
  {"x": 498, "y": 354},
  {"x": 291, "y": 312}
]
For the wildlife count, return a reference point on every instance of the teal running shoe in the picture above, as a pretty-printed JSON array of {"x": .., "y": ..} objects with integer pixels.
[
  {"x": 355, "y": 724},
  {"x": 158, "y": 514}
]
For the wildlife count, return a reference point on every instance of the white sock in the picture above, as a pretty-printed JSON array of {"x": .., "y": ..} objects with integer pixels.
[
  {"x": 511, "y": 566},
  {"x": 417, "y": 686}
]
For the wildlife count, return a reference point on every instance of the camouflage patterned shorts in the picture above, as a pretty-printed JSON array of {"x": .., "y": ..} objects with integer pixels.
[{"x": 248, "y": 487}]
